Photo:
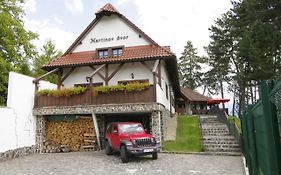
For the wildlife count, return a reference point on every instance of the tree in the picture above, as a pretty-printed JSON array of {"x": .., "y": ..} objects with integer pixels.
[
  {"x": 16, "y": 48},
  {"x": 49, "y": 52},
  {"x": 190, "y": 67},
  {"x": 245, "y": 46}
]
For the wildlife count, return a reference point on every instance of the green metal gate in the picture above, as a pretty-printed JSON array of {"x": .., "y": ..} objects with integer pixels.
[{"x": 261, "y": 132}]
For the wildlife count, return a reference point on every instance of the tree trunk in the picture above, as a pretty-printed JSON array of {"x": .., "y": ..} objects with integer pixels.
[
  {"x": 204, "y": 90},
  {"x": 252, "y": 94},
  {"x": 242, "y": 104},
  {"x": 222, "y": 94}
]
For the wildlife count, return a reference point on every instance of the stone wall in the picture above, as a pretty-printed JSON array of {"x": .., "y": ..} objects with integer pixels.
[
  {"x": 15, "y": 153},
  {"x": 99, "y": 109},
  {"x": 40, "y": 133}
]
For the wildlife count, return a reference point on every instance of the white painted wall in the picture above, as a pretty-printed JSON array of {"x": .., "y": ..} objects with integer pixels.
[
  {"x": 111, "y": 27},
  {"x": 17, "y": 124},
  {"x": 139, "y": 71},
  {"x": 161, "y": 91},
  {"x": 78, "y": 76}
]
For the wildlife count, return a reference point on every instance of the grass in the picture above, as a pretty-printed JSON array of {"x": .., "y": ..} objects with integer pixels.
[
  {"x": 235, "y": 120},
  {"x": 188, "y": 138}
]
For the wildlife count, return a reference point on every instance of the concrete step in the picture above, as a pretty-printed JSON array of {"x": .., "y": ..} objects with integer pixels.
[
  {"x": 220, "y": 142},
  {"x": 222, "y": 149},
  {"x": 214, "y": 126},
  {"x": 225, "y": 153},
  {"x": 228, "y": 137},
  {"x": 215, "y": 133},
  {"x": 213, "y": 123},
  {"x": 212, "y": 145},
  {"x": 214, "y": 129}
]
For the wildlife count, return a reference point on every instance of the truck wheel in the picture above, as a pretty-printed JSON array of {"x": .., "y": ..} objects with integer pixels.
[
  {"x": 124, "y": 154},
  {"x": 154, "y": 155},
  {"x": 108, "y": 149}
]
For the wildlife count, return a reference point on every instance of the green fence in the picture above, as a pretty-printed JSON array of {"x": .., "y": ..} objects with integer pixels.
[{"x": 261, "y": 132}]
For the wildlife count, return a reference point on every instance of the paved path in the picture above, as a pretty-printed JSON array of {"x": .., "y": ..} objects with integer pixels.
[
  {"x": 87, "y": 163},
  {"x": 171, "y": 128}
]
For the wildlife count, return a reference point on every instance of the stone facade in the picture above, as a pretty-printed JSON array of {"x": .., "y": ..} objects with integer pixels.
[
  {"x": 40, "y": 132},
  {"x": 158, "y": 117},
  {"x": 11, "y": 154},
  {"x": 99, "y": 109}
]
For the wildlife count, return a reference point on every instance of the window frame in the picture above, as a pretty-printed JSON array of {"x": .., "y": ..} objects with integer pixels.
[{"x": 103, "y": 51}]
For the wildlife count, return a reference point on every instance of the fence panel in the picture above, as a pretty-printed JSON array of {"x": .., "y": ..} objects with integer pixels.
[{"x": 261, "y": 133}]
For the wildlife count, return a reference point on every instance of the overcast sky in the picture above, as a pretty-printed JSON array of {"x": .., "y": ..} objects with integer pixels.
[{"x": 167, "y": 22}]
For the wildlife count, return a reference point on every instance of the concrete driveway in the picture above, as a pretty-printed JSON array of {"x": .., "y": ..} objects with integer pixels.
[{"x": 88, "y": 163}]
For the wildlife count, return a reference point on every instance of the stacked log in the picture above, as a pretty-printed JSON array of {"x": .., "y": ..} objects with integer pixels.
[{"x": 69, "y": 135}]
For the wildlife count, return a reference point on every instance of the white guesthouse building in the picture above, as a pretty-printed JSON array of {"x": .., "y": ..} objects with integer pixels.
[{"x": 111, "y": 51}]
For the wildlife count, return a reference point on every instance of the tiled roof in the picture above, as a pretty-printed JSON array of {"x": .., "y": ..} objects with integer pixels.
[
  {"x": 107, "y": 8},
  {"x": 192, "y": 95},
  {"x": 134, "y": 53}
]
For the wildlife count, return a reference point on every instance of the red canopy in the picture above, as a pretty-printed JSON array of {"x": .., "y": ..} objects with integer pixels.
[{"x": 217, "y": 101}]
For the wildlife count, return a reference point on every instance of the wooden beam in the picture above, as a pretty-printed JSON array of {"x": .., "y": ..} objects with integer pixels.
[
  {"x": 97, "y": 70},
  {"x": 94, "y": 69},
  {"x": 115, "y": 71},
  {"x": 67, "y": 74},
  {"x": 159, "y": 74},
  {"x": 46, "y": 74},
  {"x": 106, "y": 74},
  {"x": 96, "y": 129},
  {"x": 155, "y": 66},
  {"x": 59, "y": 82}
]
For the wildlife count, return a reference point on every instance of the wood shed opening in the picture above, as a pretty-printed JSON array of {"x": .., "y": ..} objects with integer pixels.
[
  {"x": 143, "y": 118},
  {"x": 66, "y": 133}
]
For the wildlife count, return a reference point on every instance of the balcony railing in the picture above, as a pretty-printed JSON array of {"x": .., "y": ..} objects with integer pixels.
[{"x": 87, "y": 98}]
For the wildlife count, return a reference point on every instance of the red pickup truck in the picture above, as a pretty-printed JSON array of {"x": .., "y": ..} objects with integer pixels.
[{"x": 130, "y": 138}]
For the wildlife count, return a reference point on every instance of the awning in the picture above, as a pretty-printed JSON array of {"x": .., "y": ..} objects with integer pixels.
[{"x": 217, "y": 101}]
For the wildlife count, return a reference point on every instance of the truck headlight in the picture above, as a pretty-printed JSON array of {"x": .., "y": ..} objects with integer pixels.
[{"x": 153, "y": 140}]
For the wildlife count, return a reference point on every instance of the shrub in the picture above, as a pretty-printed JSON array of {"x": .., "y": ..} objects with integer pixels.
[
  {"x": 130, "y": 87},
  {"x": 62, "y": 92}
]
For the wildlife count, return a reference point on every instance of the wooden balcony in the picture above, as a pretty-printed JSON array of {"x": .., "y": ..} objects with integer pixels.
[{"x": 88, "y": 98}]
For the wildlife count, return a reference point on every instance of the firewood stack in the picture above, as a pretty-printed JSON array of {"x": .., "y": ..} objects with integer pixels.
[
  {"x": 64, "y": 135},
  {"x": 89, "y": 142}
]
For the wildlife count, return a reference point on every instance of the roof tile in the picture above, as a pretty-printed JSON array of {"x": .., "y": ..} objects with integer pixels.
[
  {"x": 192, "y": 95},
  {"x": 107, "y": 8},
  {"x": 134, "y": 53}
]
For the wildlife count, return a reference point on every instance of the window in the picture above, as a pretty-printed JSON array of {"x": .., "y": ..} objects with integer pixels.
[
  {"x": 117, "y": 52},
  {"x": 167, "y": 91},
  {"x": 103, "y": 53}
]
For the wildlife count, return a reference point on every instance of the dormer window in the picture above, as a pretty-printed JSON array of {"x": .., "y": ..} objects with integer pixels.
[
  {"x": 103, "y": 53},
  {"x": 117, "y": 52}
]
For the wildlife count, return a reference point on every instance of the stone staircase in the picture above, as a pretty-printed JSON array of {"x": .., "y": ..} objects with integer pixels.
[{"x": 216, "y": 137}]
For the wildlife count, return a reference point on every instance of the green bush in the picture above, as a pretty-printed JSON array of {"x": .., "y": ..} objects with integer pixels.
[
  {"x": 130, "y": 87},
  {"x": 62, "y": 92}
]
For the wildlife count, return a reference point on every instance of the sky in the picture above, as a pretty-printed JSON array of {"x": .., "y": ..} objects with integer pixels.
[{"x": 169, "y": 23}]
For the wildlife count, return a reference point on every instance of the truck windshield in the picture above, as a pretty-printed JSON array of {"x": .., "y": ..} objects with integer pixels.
[{"x": 131, "y": 128}]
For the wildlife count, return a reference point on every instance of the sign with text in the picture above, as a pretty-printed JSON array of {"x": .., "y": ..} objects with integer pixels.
[{"x": 108, "y": 39}]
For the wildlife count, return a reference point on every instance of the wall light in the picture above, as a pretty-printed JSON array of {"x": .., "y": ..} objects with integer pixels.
[{"x": 132, "y": 75}]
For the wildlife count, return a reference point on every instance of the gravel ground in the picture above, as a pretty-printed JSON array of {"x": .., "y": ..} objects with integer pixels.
[{"x": 88, "y": 163}]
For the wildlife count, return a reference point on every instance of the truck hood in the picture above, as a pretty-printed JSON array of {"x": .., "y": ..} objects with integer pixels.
[{"x": 135, "y": 136}]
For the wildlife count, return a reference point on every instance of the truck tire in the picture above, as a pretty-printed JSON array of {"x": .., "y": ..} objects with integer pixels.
[
  {"x": 108, "y": 149},
  {"x": 124, "y": 154},
  {"x": 154, "y": 155}
]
